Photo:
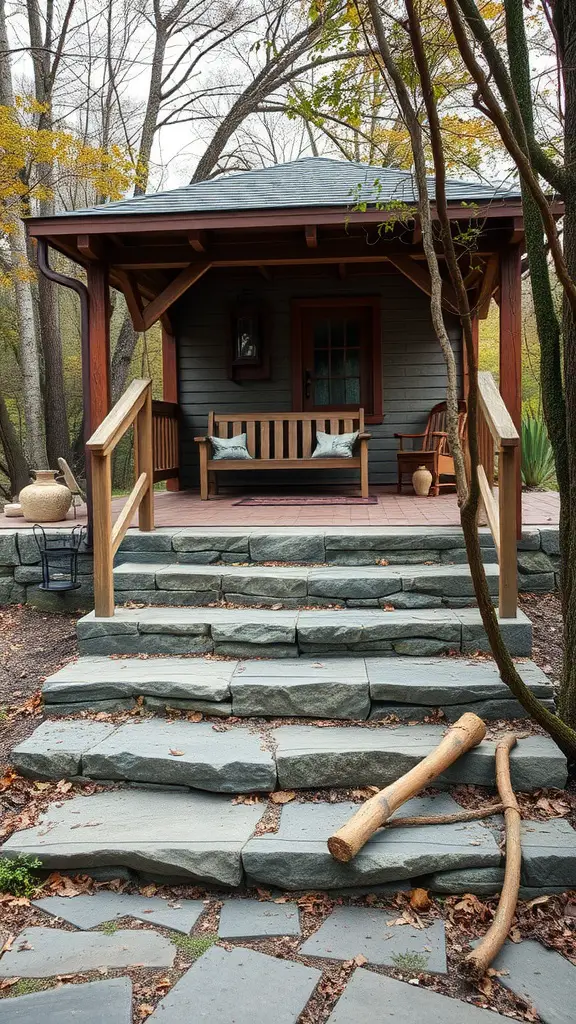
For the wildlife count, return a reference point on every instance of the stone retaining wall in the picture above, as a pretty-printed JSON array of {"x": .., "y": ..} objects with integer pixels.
[{"x": 20, "y": 561}]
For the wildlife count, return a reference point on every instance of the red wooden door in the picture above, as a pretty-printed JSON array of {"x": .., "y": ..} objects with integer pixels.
[{"x": 336, "y": 357}]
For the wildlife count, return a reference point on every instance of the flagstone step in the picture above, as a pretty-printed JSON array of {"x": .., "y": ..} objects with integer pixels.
[
  {"x": 398, "y": 586},
  {"x": 243, "y": 760},
  {"x": 262, "y": 632},
  {"x": 210, "y": 838},
  {"x": 353, "y": 688}
]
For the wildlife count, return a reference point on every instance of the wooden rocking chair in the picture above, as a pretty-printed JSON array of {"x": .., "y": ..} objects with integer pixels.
[{"x": 435, "y": 451}]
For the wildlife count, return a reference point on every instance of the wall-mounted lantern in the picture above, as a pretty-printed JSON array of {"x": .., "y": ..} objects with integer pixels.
[{"x": 250, "y": 337}]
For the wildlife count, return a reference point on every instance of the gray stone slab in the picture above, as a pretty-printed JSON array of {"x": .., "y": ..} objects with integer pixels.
[
  {"x": 46, "y": 952},
  {"x": 136, "y": 576},
  {"x": 481, "y": 882},
  {"x": 98, "y": 1002},
  {"x": 297, "y": 857},
  {"x": 441, "y": 681},
  {"x": 283, "y": 582},
  {"x": 247, "y": 650},
  {"x": 88, "y": 912},
  {"x": 221, "y": 710},
  {"x": 148, "y": 644},
  {"x": 350, "y": 931},
  {"x": 356, "y": 756},
  {"x": 8, "y": 549},
  {"x": 447, "y": 580},
  {"x": 517, "y": 633},
  {"x": 102, "y": 678},
  {"x": 256, "y": 919},
  {"x": 393, "y": 538},
  {"x": 224, "y": 539},
  {"x": 543, "y": 977},
  {"x": 549, "y": 852},
  {"x": 289, "y": 546},
  {"x": 346, "y": 583},
  {"x": 370, "y": 997},
  {"x": 190, "y": 578},
  {"x": 360, "y": 628},
  {"x": 63, "y": 709},
  {"x": 231, "y": 762},
  {"x": 159, "y": 539},
  {"x": 333, "y": 688},
  {"x": 55, "y": 749},
  {"x": 239, "y": 986},
  {"x": 193, "y": 835},
  {"x": 550, "y": 540}
]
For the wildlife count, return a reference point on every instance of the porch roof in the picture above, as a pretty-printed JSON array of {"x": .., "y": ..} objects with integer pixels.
[{"x": 309, "y": 182}]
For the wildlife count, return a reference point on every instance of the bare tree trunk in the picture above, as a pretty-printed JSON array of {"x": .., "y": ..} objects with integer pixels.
[{"x": 14, "y": 457}]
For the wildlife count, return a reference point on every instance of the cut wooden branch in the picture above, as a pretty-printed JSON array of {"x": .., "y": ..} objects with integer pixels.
[
  {"x": 466, "y": 733},
  {"x": 475, "y": 965},
  {"x": 446, "y": 819}
]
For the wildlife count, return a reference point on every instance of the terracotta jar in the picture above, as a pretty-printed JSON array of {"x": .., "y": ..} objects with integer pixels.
[
  {"x": 422, "y": 481},
  {"x": 45, "y": 501}
]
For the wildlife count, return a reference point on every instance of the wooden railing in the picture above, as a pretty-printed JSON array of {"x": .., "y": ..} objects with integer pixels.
[
  {"x": 165, "y": 440},
  {"x": 135, "y": 407},
  {"x": 498, "y": 435}
]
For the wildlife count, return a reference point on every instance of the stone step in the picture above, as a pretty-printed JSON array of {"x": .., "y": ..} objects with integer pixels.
[
  {"x": 200, "y": 837},
  {"x": 261, "y": 632},
  {"x": 353, "y": 688},
  {"x": 244, "y": 760},
  {"x": 397, "y": 586}
]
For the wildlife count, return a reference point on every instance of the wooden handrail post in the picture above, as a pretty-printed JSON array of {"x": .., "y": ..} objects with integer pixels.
[
  {"x": 102, "y": 535},
  {"x": 145, "y": 462},
  {"x": 508, "y": 593}
]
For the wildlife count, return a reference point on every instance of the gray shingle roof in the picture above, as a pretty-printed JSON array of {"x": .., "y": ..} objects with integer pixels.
[{"x": 312, "y": 181}]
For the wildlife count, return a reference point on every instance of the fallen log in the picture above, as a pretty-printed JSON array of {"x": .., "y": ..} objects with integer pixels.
[
  {"x": 466, "y": 733},
  {"x": 475, "y": 965}
]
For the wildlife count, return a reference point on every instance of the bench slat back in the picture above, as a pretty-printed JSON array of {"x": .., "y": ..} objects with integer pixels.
[{"x": 283, "y": 435}]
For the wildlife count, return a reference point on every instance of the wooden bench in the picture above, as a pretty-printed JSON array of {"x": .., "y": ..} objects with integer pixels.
[{"x": 281, "y": 440}]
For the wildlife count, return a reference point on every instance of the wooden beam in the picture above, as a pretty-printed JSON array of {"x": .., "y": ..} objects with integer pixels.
[
  {"x": 154, "y": 310},
  {"x": 133, "y": 298},
  {"x": 420, "y": 276},
  {"x": 197, "y": 240},
  {"x": 517, "y": 236},
  {"x": 488, "y": 286},
  {"x": 97, "y": 403},
  {"x": 89, "y": 247},
  {"x": 511, "y": 352},
  {"x": 311, "y": 235}
]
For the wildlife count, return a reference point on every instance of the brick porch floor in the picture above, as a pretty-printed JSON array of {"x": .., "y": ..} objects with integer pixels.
[{"x": 184, "y": 508}]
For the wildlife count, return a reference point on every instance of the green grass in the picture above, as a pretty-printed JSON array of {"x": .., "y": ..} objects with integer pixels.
[
  {"x": 17, "y": 875},
  {"x": 412, "y": 963},
  {"x": 109, "y": 927},
  {"x": 27, "y": 986},
  {"x": 193, "y": 945}
]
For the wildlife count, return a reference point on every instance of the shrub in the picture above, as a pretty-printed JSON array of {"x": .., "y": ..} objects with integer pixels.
[
  {"x": 17, "y": 875},
  {"x": 537, "y": 457}
]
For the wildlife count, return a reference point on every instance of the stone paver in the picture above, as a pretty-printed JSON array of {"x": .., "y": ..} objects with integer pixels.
[
  {"x": 442, "y": 681},
  {"x": 97, "y": 1002},
  {"x": 54, "y": 750},
  {"x": 255, "y": 919},
  {"x": 46, "y": 952},
  {"x": 350, "y": 931},
  {"x": 330, "y": 688},
  {"x": 548, "y": 853},
  {"x": 370, "y": 997},
  {"x": 239, "y": 986},
  {"x": 99, "y": 678},
  {"x": 183, "y": 753},
  {"x": 296, "y": 857},
  {"x": 307, "y": 755},
  {"x": 543, "y": 977},
  {"x": 87, "y": 912},
  {"x": 197, "y": 835}
]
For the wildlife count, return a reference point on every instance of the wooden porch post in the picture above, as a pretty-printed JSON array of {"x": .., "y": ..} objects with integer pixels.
[
  {"x": 169, "y": 383},
  {"x": 511, "y": 352},
  {"x": 96, "y": 408}
]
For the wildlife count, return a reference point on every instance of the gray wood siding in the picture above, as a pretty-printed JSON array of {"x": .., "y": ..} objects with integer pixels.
[{"x": 413, "y": 373}]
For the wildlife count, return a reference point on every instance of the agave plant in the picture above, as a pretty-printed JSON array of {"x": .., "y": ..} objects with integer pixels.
[{"x": 538, "y": 469}]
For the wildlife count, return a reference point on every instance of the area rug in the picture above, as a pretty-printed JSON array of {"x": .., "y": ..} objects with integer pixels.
[{"x": 321, "y": 500}]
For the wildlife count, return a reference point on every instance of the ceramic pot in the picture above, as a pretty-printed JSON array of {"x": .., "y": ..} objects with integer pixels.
[
  {"x": 45, "y": 501},
  {"x": 422, "y": 481}
]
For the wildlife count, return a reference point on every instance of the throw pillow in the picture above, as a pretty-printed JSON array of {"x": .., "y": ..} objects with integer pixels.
[
  {"x": 334, "y": 446},
  {"x": 230, "y": 447}
]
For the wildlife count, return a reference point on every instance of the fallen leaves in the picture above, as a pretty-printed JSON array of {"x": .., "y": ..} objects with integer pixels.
[
  {"x": 283, "y": 796},
  {"x": 420, "y": 900},
  {"x": 62, "y": 885},
  {"x": 176, "y": 753}
]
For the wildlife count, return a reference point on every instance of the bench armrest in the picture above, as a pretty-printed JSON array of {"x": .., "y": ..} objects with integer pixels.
[
  {"x": 364, "y": 437},
  {"x": 202, "y": 440},
  {"x": 410, "y": 435}
]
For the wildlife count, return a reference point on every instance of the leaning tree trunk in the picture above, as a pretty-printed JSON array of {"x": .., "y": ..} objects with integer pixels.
[{"x": 13, "y": 453}]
